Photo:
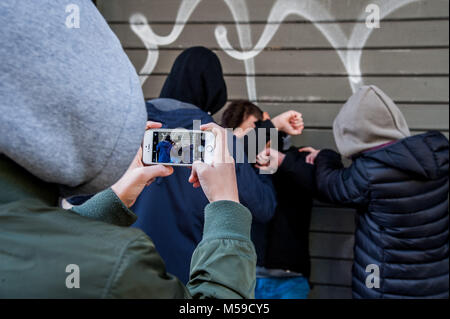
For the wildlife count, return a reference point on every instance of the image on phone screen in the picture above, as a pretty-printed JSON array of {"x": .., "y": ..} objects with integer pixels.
[{"x": 175, "y": 147}]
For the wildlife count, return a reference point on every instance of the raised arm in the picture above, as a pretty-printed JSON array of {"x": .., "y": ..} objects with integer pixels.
[{"x": 256, "y": 192}]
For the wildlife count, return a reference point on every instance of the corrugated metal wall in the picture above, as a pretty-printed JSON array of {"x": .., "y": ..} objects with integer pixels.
[{"x": 308, "y": 55}]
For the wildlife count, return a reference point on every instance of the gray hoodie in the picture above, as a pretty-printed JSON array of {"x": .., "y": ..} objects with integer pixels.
[
  {"x": 368, "y": 119},
  {"x": 71, "y": 106}
]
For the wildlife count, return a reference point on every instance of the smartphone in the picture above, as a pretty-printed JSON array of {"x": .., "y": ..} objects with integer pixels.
[{"x": 177, "y": 147}]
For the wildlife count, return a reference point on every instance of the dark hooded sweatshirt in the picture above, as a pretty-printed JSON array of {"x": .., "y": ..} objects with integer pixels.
[
  {"x": 196, "y": 78},
  {"x": 176, "y": 226}
]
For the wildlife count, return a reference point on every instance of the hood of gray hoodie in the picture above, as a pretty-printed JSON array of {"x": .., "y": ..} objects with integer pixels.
[
  {"x": 369, "y": 119},
  {"x": 71, "y": 106}
]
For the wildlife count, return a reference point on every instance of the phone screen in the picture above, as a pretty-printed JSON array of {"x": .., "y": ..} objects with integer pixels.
[{"x": 178, "y": 147}]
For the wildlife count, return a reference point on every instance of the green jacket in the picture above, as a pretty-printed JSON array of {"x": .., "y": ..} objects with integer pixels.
[{"x": 38, "y": 240}]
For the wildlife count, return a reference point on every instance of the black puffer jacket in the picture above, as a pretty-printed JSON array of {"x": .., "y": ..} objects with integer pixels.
[{"x": 401, "y": 192}]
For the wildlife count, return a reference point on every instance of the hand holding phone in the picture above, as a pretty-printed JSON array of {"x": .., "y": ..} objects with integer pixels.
[
  {"x": 217, "y": 180},
  {"x": 131, "y": 184}
]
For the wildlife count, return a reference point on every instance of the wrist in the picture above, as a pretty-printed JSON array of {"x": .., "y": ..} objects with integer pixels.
[
  {"x": 117, "y": 189},
  {"x": 277, "y": 123},
  {"x": 226, "y": 197}
]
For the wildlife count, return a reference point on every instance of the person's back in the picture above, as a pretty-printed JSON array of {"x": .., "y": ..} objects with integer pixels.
[
  {"x": 400, "y": 187},
  {"x": 178, "y": 227},
  {"x": 89, "y": 251},
  {"x": 163, "y": 148},
  {"x": 55, "y": 141},
  {"x": 405, "y": 230},
  {"x": 56, "y": 253},
  {"x": 65, "y": 142},
  {"x": 194, "y": 90}
]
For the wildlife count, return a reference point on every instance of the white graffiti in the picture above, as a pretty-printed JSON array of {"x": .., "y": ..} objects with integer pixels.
[
  {"x": 239, "y": 11},
  {"x": 311, "y": 10},
  {"x": 359, "y": 37},
  {"x": 152, "y": 41}
]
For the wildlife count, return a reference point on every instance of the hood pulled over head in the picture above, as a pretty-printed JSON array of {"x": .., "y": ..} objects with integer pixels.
[
  {"x": 71, "y": 106},
  {"x": 368, "y": 119},
  {"x": 197, "y": 78}
]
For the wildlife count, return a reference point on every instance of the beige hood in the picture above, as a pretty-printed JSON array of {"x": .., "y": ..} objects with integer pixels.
[{"x": 368, "y": 119}]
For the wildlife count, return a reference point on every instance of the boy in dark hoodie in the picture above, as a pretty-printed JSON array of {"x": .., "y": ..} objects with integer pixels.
[
  {"x": 194, "y": 90},
  {"x": 399, "y": 184}
]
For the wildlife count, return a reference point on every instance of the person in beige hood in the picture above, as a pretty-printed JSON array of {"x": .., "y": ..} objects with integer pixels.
[
  {"x": 369, "y": 119},
  {"x": 399, "y": 185}
]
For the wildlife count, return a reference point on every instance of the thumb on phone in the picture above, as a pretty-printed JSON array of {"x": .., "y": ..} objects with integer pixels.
[
  {"x": 149, "y": 173},
  {"x": 197, "y": 168}
]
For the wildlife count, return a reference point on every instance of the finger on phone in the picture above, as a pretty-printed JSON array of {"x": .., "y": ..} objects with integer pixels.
[
  {"x": 221, "y": 153},
  {"x": 193, "y": 178},
  {"x": 208, "y": 126},
  {"x": 151, "y": 125}
]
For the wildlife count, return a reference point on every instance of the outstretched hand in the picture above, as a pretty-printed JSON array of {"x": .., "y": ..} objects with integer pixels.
[
  {"x": 311, "y": 157},
  {"x": 131, "y": 184}
]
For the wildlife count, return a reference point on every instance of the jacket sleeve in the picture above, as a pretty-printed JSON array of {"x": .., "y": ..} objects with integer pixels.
[
  {"x": 256, "y": 192},
  {"x": 108, "y": 208},
  {"x": 140, "y": 272},
  {"x": 336, "y": 184},
  {"x": 224, "y": 263},
  {"x": 226, "y": 246}
]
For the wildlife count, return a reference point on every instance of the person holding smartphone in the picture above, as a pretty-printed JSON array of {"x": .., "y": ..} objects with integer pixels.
[{"x": 55, "y": 141}]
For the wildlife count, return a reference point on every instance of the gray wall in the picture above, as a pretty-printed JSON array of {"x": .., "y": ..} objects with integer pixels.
[{"x": 311, "y": 63}]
